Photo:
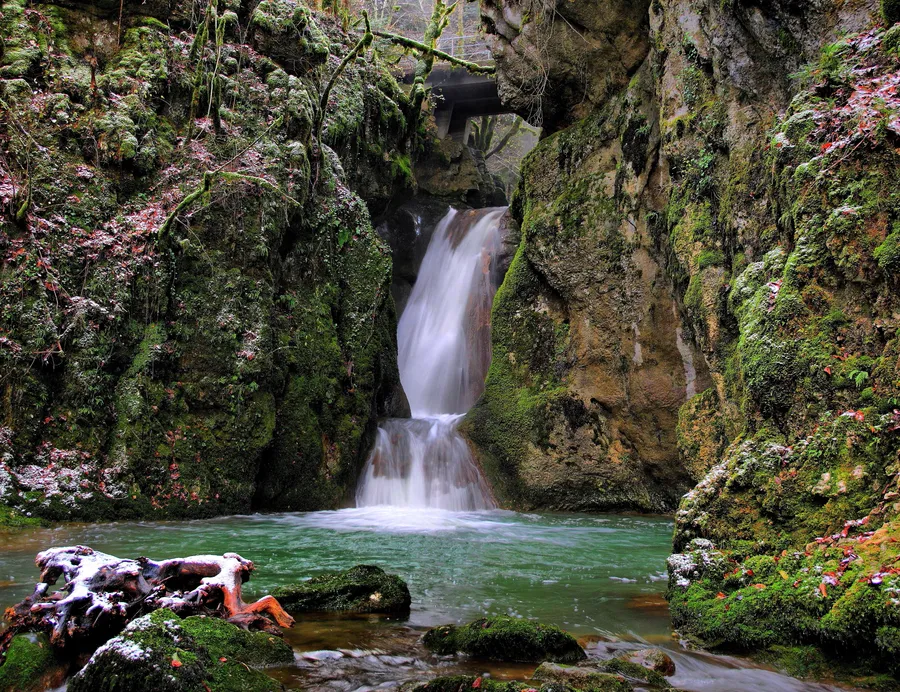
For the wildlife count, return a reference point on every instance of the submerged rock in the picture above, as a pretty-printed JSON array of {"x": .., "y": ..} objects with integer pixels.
[
  {"x": 31, "y": 665},
  {"x": 505, "y": 639},
  {"x": 360, "y": 589},
  {"x": 651, "y": 659},
  {"x": 162, "y": 653}
]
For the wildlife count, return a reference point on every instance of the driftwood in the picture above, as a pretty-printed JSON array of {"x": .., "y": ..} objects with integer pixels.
[{"x": 101, "y": 594}]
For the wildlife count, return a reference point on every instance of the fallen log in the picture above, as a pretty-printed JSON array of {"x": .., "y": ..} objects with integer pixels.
[{"x": 102, "y": 593}]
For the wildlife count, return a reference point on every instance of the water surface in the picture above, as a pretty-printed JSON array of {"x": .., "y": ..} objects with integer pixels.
[{"x": 600, "y": 577}]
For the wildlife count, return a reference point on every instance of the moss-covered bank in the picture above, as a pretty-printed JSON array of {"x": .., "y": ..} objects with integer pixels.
[
  {"x": 161, "y": 652},
  {"x": 728, "y": 220}
]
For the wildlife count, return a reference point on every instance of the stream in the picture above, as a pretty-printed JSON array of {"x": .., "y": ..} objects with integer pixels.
[{"x": 600, "y": 577}]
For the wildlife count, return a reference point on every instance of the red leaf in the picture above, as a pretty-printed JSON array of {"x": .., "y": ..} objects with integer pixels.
[
  {"x": 477, "y": 683},
  {"x": 823, "y": 590},
  {"x": 720, "y": 595}
]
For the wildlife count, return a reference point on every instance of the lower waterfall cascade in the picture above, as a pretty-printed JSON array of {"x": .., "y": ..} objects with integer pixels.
[{"x": 444, "y": 353}]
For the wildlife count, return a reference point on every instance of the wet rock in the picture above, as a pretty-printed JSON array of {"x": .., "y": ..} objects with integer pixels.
[
  {"x": 162, "y": 653},
  {"x": 541, "y": 54},
  {"x": 459, "y": 683},
  {"x": 505, "y": 639},
  {"x": 652, "y": 659},
  {"x": 361, "y": 589},
  {"x": 451, "y": 170},
  {"x": 580, "y": 678},
  {"x": 31, "y": 665},
  {"x": 287, "y": 31}
]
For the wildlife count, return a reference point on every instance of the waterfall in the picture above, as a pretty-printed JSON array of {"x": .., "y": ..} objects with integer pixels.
[{"x": 444, "y": 352}]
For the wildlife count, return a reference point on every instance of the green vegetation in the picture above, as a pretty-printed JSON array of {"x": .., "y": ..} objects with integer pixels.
[
  {"x": 31, "y": 665},
  {"x": 162, "y": 652},
  {"x": 505, "y": 639},
  {"x": 360, "y": 589}
]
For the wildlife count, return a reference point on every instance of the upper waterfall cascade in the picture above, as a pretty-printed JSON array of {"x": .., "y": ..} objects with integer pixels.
[{"x": 444, "y": 353}]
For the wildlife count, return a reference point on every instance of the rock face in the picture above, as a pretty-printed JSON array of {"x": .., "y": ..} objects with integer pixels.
[
  {"x": 239, "y": 359},
  {"x": 580, "y": 678},
  {"x": 162, "y": 653},
  {"x": 505, "y": 639},
  {"x": 556, "y": 60},
  {"x": 655, "y": 660},
  {"x": 732, "y": 211},
  {"x": 361, "y": 589}
]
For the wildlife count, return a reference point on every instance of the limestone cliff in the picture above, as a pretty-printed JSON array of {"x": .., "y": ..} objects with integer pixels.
[
  {"x": 746, "y": 173},
  {"x": 195, "y": 315}
]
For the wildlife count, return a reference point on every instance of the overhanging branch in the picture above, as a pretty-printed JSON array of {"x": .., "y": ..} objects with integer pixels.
[{"x": 472, "y": 67}]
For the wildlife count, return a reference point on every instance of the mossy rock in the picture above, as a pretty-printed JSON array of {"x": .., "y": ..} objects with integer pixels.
[
  {"x": 31, "y": 665},
  {"x": 460, "y": 683},
  {"x": 505, "y": 639},
  {"x": 360, "y": 589},
  {"x": 655, "y": 660},
  {"x": 638, "y": 673},
  {"x": 580, "y": 678},
  {"x": 162, "y": 653}
]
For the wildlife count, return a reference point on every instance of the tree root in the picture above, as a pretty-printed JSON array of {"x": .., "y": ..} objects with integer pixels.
[{"x": 102, "y": 593}]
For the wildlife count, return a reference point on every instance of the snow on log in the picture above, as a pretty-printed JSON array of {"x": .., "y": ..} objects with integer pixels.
[{"x": 101, "y": 593}]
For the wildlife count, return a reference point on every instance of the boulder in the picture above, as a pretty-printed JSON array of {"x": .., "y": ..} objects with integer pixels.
[
  {"x": 656, "y": 660},
  {"x": 505, "y": 639},
  {"x": 361, "y": 589},
  {"x": 162, "y": 653},
  {"x": 31, "y": 665},
  {"x": 460, "y": 683}
]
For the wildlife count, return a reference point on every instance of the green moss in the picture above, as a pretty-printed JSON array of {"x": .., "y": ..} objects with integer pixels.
[
  {"x": 30, "y": 665},
  {"x": 13, "y": 519},
  {"x": 518, "y": 393},
  {"x": 160, "y": 653},
  {"x": 505, "y": 639},
  {"x": 635, "y": 673},
  {"x": 891, "y": 41},
  {"x": 589, "y": 679},
  {"x": 888, "y": 253},
  {"x": 457, "y": 683},
  {"x": 361, "y": 589}
]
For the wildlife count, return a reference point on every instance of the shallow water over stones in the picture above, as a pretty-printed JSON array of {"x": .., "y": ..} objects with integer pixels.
[{"x": 600, "y": 577}]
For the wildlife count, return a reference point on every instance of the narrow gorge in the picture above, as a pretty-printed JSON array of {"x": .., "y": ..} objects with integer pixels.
[{"x": 509, "y": 345}]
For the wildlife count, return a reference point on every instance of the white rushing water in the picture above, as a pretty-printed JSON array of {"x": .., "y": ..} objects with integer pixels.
[{"x": 444, "y": 353}]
